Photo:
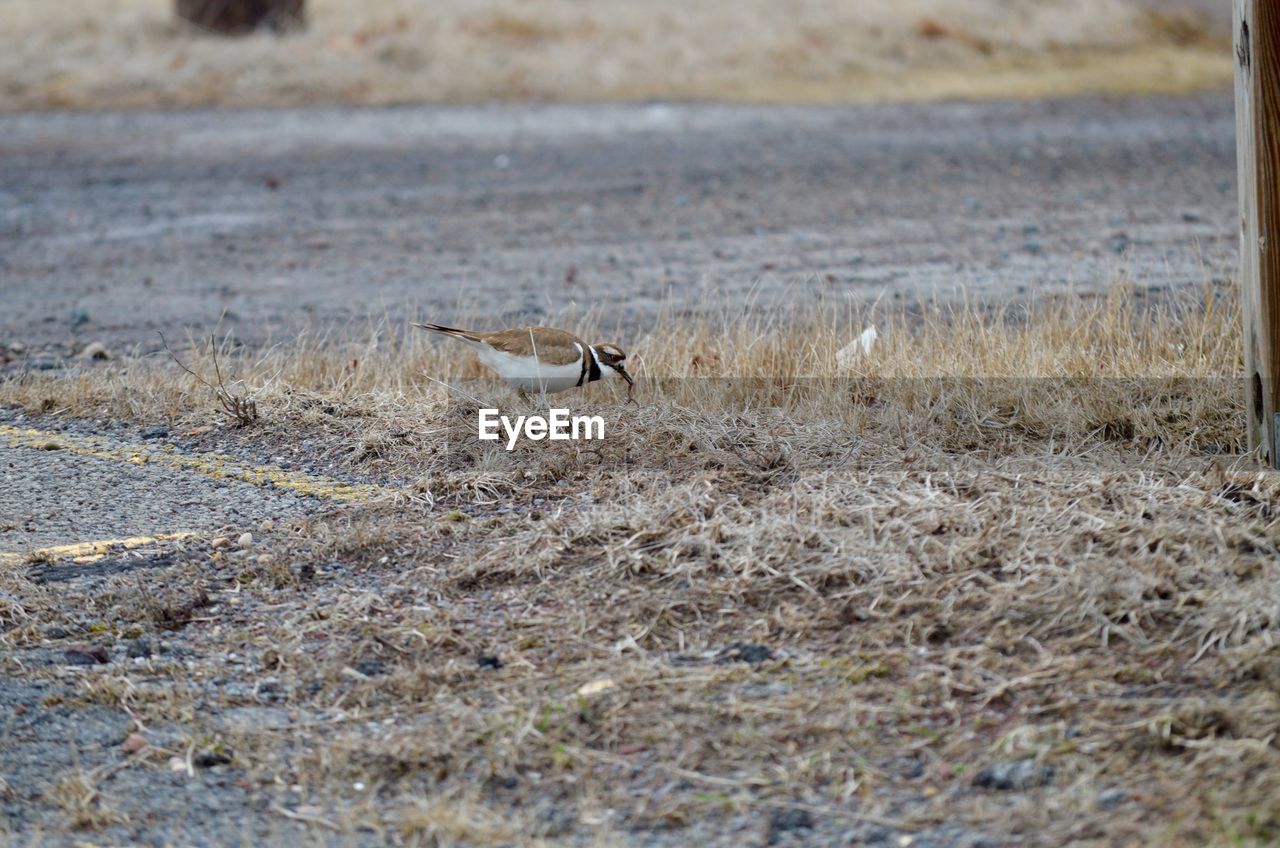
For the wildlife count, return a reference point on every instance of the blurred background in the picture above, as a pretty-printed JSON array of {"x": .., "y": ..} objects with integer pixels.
[
  {"x": 1033, "y": 160},
  {"x": 101, "y": 54}
]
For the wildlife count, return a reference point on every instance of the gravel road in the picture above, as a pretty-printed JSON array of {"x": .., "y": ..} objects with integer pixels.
[
  {"x": 115, "y": 225},
  {"x": 52, "y": 497}
]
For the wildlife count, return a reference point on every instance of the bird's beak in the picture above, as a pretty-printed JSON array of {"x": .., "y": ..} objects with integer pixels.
[{"x": 625, "y": 375}]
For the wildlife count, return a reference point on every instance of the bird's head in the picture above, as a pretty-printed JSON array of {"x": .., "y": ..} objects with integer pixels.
[{"x": 611, "y": 356}]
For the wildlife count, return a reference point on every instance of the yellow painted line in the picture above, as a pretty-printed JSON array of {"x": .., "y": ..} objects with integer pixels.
[
  {"x": 217, "y": 466},
  {"x": 85, "y": 552}
]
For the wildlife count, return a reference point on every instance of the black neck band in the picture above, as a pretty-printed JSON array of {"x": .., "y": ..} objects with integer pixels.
[{"x": 593, "y": 372}]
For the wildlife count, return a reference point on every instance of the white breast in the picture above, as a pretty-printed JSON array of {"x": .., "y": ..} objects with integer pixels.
[{"x": 527, "y": 373}]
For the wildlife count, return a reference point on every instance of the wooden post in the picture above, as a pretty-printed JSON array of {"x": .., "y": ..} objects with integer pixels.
[{"x": 1257, "y": 43}]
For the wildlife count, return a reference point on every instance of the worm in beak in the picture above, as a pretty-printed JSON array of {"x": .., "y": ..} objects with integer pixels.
[{"x": 631, "y": 384}]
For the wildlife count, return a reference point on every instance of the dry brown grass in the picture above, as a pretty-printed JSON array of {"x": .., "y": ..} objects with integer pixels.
[
  {"x": 79, "y": 797},
  {"x": 1007, "y": 532},
  {"x": 128, "y": 53}
]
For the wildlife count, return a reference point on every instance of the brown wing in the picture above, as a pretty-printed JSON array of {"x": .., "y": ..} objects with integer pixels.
[{"x": 554, "y": 347}]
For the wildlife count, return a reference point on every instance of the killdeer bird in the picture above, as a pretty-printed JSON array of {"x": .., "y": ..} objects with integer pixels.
[{"x": 542, "y": 359}]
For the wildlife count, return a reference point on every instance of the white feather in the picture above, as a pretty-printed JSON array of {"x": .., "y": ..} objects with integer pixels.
[
  {"x": 849, "y": 355},
  {"x": 527, "y": 373}
]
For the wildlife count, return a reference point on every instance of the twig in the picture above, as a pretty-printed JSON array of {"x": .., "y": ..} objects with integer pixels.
[
  {"x": 305, "y": 817},
  {"x": 243, "y": 409},
  {"x": 387, "y": 643},
  {"x": 453, "y": 389}
]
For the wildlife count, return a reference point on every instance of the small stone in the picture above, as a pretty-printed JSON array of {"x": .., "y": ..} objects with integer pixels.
[
  {"x": 155, "y": 431},
  {"x": 245, "y": 542},
  {"x": 134, "y": 743},
  {"x": 371, "y": 668},
  {"x": 220, "y": 543},
  {"x": 79, "y": 316},
  {"x": 139, "y": 648},
  {"x": 1033, "y": 247},
  {"x": 1109, "y": 799},
  {"x": 95, "y": 351},
  {"x": 909, "y": 767},
  {"x": 83, "y": 654},
  {"x": 1014, "y": 775},
  {"x": 267, "y": 525},
  {"x": 785, "y": 821},
  {"x": 488, "y": 661}
]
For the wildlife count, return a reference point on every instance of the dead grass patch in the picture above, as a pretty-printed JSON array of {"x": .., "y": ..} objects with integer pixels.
[
  {"x": 80, "y": 798},
  {"x": 1005, "y": 533}
]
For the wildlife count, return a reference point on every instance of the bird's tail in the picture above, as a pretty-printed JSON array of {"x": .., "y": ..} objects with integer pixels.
[{"x": 465, "y": 335}]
